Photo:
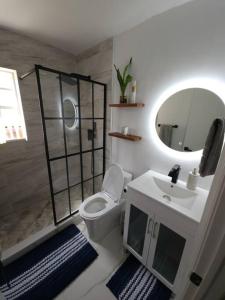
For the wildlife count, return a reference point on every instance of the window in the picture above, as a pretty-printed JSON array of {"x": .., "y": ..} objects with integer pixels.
[{"x": 12, "y": 124}]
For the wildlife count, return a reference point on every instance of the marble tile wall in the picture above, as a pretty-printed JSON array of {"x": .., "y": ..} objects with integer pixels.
[{"x": 25, "y": 206}]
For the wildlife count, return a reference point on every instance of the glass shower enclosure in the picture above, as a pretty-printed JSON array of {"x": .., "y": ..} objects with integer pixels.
[{"x": 73, "y": 110}]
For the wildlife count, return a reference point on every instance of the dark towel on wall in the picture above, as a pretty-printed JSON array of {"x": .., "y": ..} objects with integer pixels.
[{"x": 212, "y": 149}]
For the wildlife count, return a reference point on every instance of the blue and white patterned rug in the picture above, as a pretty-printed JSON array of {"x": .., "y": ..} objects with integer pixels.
[
  {"x": 132, "y": 281},
  {"x": 45, "y": 271}
]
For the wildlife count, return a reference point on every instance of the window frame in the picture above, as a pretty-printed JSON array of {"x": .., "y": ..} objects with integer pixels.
[{"x": 18, "y": 109}]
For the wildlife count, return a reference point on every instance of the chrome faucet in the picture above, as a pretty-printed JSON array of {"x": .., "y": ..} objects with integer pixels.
[{"x": 174, "y": 173}]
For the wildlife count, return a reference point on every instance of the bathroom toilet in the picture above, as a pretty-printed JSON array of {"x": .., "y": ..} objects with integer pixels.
[{"x": 101, "y": 211}]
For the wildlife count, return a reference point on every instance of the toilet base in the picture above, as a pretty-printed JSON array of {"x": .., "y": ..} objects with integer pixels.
[{"x": 98, "y": 228}]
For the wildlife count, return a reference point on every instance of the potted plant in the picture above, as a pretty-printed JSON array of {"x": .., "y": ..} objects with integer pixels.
[{"x": 124, "y": 79}]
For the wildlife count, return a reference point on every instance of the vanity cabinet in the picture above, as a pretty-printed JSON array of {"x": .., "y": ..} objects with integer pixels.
[{"x": 156, "y": 239}]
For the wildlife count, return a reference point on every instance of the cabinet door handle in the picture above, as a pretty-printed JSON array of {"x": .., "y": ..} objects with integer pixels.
[
  {"x": 154, "y": 230},
  {"x": 149, "y": 224}
]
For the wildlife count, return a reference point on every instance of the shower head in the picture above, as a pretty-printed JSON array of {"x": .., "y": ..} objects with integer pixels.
[{"x": 68, "y": 80}]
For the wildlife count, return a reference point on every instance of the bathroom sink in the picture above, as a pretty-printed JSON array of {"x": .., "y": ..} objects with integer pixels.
[{"x": 176, "y": 196}]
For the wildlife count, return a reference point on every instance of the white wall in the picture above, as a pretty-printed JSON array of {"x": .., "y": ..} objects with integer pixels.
[{"x": 184, "y": 43}]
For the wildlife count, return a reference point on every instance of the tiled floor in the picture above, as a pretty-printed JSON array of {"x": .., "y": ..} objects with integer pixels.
[
  {"x": 91, "y": 284},
  {"x": 17, "y": 227},
  {"x": 31, "y": 221}
]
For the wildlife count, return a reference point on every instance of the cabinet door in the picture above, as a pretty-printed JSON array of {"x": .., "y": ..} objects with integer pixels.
[
  {"x": 137, "y": 232},
  {"x": 166, "y": 253}
]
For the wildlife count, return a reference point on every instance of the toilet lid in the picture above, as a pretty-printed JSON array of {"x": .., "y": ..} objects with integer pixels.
[{"x": 113, "y": 182}]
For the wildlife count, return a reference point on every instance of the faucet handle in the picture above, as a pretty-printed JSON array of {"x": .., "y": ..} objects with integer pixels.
[{"x": 174, "y": 170}]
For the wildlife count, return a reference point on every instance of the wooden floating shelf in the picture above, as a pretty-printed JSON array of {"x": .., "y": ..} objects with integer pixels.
[
  {"x": 127, "y": 105},
  {"x": 129, "y": 137}
]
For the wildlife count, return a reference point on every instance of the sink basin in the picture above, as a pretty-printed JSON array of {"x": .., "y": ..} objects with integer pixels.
[
  {"x": 171, "y": 192},
  {"x": 176, "y": 196}
]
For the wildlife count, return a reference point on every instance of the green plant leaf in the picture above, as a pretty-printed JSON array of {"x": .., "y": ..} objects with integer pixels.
[
  {"x": 119, "y": 77},
  {"x": 128, "y": 79},
  {"x": 126, "y": 68}
]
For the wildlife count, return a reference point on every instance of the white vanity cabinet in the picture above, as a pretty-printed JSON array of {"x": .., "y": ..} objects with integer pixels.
[{"x": 158, "y": 238}]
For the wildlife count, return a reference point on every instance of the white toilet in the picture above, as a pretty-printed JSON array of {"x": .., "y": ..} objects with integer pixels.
[{"x": 101, "y": 211}]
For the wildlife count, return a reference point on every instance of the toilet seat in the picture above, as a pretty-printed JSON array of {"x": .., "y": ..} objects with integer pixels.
[
  {"x": 92, "y": 202},
  {"x": 100, "y": 203}
]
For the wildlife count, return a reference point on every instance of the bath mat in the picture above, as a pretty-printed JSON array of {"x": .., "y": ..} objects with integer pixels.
[
  {"x": 132, "y": 281},
  {"x": 46, "y": 270}
]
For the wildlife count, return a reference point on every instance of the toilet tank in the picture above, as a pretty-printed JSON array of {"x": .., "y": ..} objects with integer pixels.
[{"x": 127, "y": 178}]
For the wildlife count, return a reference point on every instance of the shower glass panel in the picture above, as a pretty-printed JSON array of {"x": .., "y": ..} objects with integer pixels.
[
  {"x": 74, "y": 170},
  {"x": 88, "y": 188},
  {"x": 86, "y": 99},
  {"x": 50, "y": 94},
  {"x": 59, "y": 176},
  {"x": 98, "y": 101},
  {"x": 98, "y": 183},
  {"x": 72, "y": 141},
  {"x": 54, "y": 131},
  {"x": 98, "y": 139},
  {"x": 87, "y": 134},
  {"x": 76, "y": 195},
  {"x": 87, "y": 165},
  {"x": 98, "y": 162},
  {"x": 61, "y": 205},
  {"x": 73, "y": 109}
]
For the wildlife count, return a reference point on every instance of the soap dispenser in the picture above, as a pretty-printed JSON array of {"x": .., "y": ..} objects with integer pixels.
[{"x": 192, "y": 179}]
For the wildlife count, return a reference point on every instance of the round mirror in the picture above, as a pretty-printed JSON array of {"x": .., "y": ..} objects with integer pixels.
[
  {"x": 184, "y": 119},
  {"x": 70, "y": 113}
]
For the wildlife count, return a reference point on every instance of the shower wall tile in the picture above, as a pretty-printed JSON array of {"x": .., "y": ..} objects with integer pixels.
[{"x": 25, "y": 203}]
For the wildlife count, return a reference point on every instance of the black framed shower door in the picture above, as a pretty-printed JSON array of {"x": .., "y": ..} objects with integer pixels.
[{"x": 73, "y": 111}]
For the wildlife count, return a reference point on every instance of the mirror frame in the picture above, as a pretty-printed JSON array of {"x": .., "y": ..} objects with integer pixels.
[
  {"x": 76, "y": 112},
  {"x": 214, "y": 86}
]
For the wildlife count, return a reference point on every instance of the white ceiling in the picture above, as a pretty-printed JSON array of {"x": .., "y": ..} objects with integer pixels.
[{"x": 76, "y": 25}]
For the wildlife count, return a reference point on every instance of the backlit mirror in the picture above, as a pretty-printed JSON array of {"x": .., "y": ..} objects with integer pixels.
[
  {"x": 184, "y": 119},
  {"x": 70, "y": 113}
]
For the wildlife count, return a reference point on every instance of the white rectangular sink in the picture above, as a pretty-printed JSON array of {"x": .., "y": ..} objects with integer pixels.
[
  {"x": 160, "y": 188},
  {"x": 175, "y": 193}
]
